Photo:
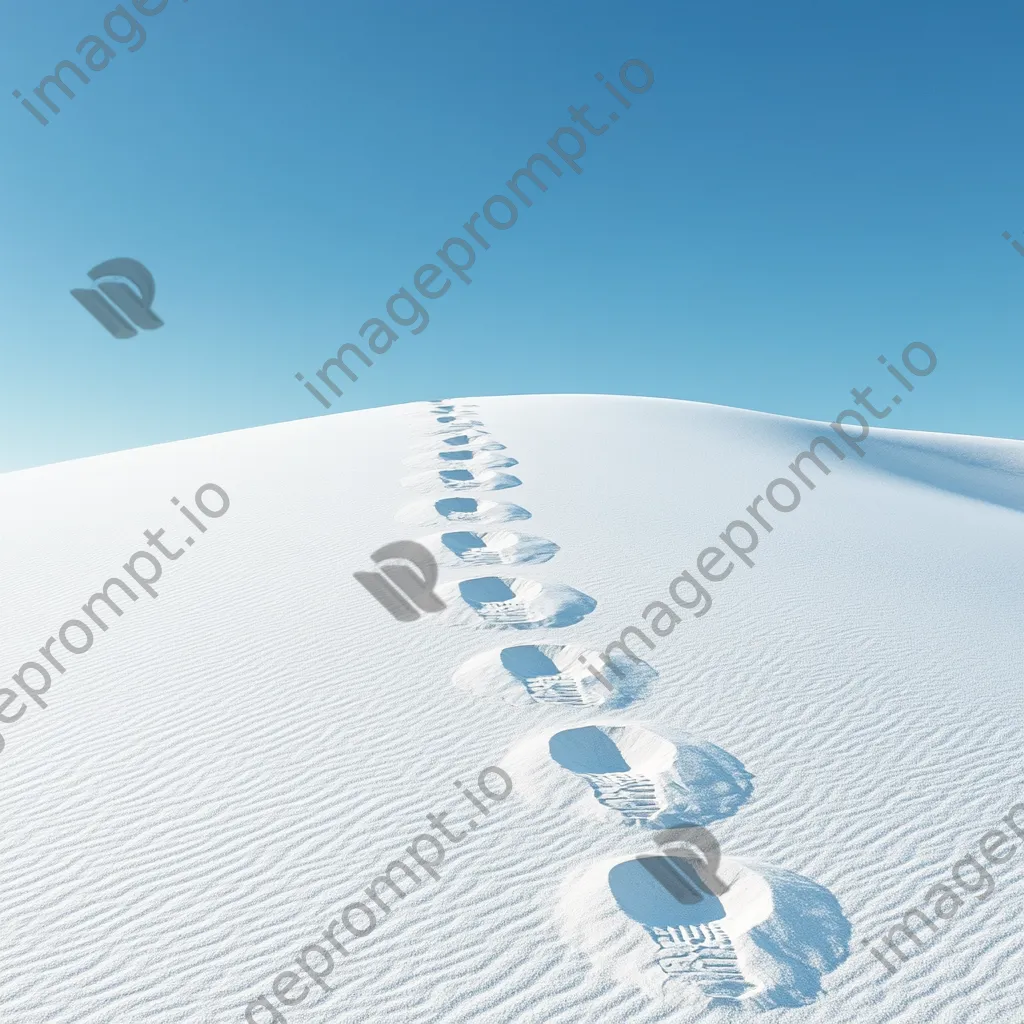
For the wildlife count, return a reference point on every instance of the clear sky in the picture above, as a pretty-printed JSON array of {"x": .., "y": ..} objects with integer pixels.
[{"x": 805, "y": 186}]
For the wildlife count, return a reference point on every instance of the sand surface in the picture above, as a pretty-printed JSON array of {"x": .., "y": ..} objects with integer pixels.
[{"x": 230, "y": 764}]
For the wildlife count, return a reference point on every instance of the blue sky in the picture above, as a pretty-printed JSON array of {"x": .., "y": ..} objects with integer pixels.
[{"x": 803, "y": 188}]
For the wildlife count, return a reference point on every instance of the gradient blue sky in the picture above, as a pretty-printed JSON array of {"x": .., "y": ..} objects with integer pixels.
[{"x": 802, "y": 189}]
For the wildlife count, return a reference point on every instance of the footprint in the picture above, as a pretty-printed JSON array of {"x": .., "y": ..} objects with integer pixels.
[
  {"x": 461, "y": 458},
  {"x": 451, "y": 424},
  {"x": 461, "y": 480},
  {"x": 551, "y": 674},
  {"x": 501, "y": 547},
  {"x": 469, "y": 458},
  {"x": 477, "y": 440},
  {"x": 763, "y": 939},
  {"x": 474, "y": 440},
  {"x": 592, "y": 754},
  {"x": 542, "y": 673},
  {"x": 686, "y": 919},
  {"x": 476, "y": 511},
  {"x": 460, "y": 510},
  {"x": 633, "y": 775},
  {"x": 512, "y": 602},
  {"x": 449, "y": 405}
]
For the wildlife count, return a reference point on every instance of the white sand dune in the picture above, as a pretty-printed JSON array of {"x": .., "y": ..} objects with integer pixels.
[{"x": 230, "y": 764}]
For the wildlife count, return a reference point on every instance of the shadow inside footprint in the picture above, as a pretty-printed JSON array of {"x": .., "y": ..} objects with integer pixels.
[
  {"x": 462, "y": 542},
  {"x": 650, "y": 780},
  {"x": 663, "y": 892},
  {"x": 544, "y": 673},
  {"x": 472, "y": 510},
  {"x": 477, "y": 440},
  {"x": 523, "y": 603},
  {"x": 543, "y": 680},
  {"x": 478, "y": 458},
  {"x": 528, "y": 662},
  {"x": 572, "y": 682},
  {"x": 486, "y": 590},
  {"x": 456, "y": 423},
  {"x": 666, "y": 896},
  {"x": 466, "y": 480},
  {"x": 501, "y": 547},
  {"x": 587, "y": 751},
  {"x": 764, "y": 940},
  {"x": 450, "y": 507},
  {"x": 593, "y": 755}
]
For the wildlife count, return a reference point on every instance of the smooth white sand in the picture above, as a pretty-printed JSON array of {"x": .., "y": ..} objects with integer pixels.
[{"x": 232, "y": 763}]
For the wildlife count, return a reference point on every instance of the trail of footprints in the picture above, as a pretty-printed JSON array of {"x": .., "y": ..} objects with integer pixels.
[{"x": 766, "y": 937}]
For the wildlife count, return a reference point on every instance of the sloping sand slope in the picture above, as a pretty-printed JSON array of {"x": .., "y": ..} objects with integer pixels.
[{"x": 230, "y": 764}]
